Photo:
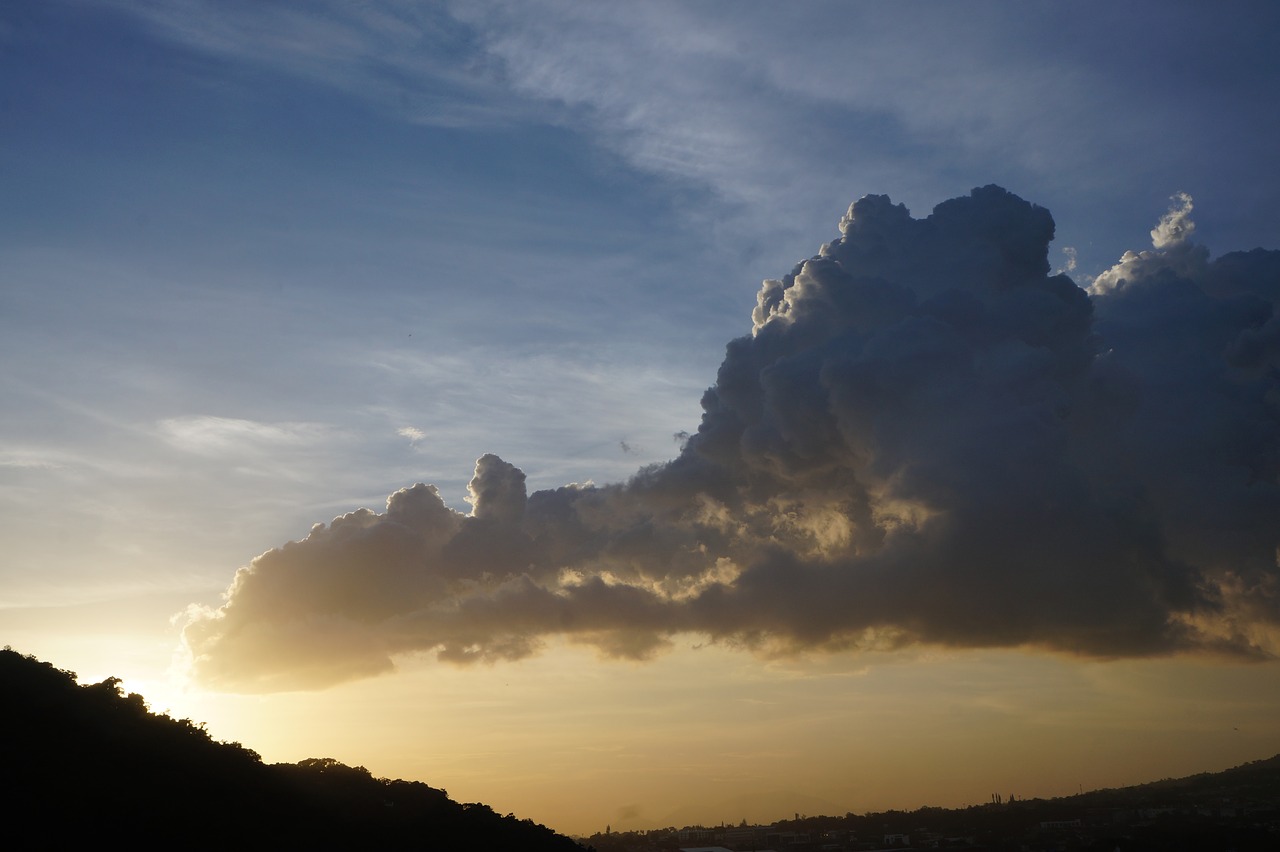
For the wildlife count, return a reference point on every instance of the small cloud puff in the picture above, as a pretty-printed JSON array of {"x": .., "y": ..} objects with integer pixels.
[
  {"x": 1175, "y": 226},
  {"x": 1173, "y": 251},
  {"x": 413, "y": 433}
]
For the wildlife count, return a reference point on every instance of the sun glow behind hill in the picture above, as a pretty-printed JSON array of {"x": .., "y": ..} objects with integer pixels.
[{"x": 559, "y": 736}]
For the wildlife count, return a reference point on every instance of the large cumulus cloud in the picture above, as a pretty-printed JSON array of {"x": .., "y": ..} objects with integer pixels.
[{"x": 926, "y": 437}]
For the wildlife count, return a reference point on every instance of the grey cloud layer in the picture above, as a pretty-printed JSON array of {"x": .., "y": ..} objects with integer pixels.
[{"x": 925, "y": 438}]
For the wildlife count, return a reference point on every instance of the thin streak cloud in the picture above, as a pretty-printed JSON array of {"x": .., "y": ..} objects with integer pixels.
[{"x": 211, "y": 435}]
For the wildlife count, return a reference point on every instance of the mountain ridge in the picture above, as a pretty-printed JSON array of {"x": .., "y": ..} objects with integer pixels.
[
  {"x": 87, "y": 759},
  {"x": 81, "y": 759}
]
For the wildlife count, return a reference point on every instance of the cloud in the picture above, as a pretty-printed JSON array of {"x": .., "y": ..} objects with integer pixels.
[
  {"x": 209, "y": 435},
  {"x": 406, "y": 58},
  {"x": 31, "y": 458},
  {"x": 926, "y": 438},
  {"x": 413, "y": 433},
  {"x": 762, "y": 108},
  {"x": 1173, "y": 251},
  {"x": 1175, "y": 227},
  {"x": 1071, "y": 262}
]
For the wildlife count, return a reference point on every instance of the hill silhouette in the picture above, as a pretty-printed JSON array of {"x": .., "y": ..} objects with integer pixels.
[
  {"x": 1237, "y": 809},
  {"x": 83, "y": 763}
]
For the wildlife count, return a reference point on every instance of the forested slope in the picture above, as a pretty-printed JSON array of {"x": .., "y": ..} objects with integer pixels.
[{"x": 84, "y": 763}]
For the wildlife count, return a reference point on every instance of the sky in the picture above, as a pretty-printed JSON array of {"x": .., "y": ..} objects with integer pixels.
[{"x": 395, "y": 382}]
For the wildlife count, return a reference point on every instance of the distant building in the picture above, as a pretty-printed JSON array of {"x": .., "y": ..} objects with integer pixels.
[
  {"x": 783, "y": 839},
  {"x": 743, "y": 837},
  {"x": 695, "y": 835}
]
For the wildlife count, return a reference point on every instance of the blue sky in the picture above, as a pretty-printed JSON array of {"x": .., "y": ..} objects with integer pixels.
[{"x": 264, "y": 263}]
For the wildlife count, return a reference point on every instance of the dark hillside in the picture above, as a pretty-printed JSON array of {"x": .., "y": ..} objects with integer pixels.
[{"x": 83, "y": 763}]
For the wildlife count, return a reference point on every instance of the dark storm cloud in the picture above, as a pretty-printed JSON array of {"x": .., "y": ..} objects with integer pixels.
[{"x": 926, "y": 437}]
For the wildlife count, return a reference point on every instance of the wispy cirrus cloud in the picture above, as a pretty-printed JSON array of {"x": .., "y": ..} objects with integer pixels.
[
  {"x": 32, "y": 458},
  {"x": 787, "y": 109},
  {"x": 413, "y": 59},
  {"x": 230, "y": 436}
]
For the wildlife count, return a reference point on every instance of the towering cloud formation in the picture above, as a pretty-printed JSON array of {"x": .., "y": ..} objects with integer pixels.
[{"x": 925, "y": 438}]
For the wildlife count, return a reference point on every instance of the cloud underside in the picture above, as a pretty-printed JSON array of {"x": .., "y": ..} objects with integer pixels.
[{"x": 926, "y": 438}]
